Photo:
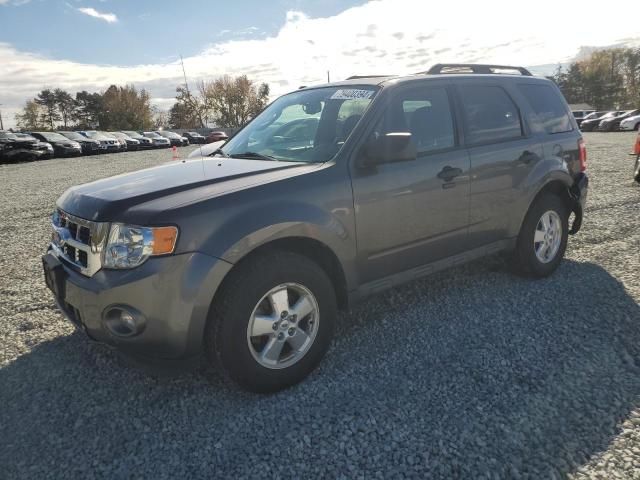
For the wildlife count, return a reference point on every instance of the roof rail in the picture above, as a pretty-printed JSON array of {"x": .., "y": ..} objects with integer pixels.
[
  {"x": 357, "y": 77},
  {"x": 461, "y": 68}
]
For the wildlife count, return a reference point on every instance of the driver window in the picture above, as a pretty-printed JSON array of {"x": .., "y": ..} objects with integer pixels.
[{"x": 426, "y": 114}]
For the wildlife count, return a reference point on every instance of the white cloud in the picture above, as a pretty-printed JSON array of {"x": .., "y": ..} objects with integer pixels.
[
  {"x": 384, "y": 36},
  {"x": 92, "y": 12}
]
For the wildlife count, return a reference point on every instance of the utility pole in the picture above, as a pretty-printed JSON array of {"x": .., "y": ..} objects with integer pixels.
[
  {"x": 328, "y": 77},
  {"x": 1, "y": 124}
]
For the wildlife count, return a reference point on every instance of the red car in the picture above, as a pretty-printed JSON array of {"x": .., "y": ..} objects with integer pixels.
[{"x": 216, "y": 137}]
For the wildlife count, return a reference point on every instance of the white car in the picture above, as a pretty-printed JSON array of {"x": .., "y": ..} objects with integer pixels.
[{"x": 631, "y": 123}]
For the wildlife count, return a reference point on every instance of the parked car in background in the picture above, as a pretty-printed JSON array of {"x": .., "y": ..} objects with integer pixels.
[
  {"x": 592, "y": 124},
  {"x": 89, "y": 145},
  {"x": 630, "y": 123},
  {"x": 216, "y": 137},
  {"x": 175, "y": 139},
  {"x": 44, "y": 147},
  {"x": 247, "y": 257},
  {"x": 131, "y": 143},
  {"x": 62, "y": 146},
  {"x": 580, "y": 115},
  {"x": 122, "y": 144},
  {"x": 144, "y": 141},
  {"x": 158, "y": 140},
  {"x": 15, "y": 149},
  {"x": 107, "y": 144},
  {"x": 194, "y": 137},
  {"x": 636, "y": 152},
  {"x": 613, "y": 123}
]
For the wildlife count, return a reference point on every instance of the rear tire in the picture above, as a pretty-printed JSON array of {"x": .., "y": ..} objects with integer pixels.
[
  {"x": 254, "y": 335},
  {"x": 543, "y": 237}
]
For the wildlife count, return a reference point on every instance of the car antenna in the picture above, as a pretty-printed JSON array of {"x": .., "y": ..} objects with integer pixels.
[{"x": 186, "y": 84}]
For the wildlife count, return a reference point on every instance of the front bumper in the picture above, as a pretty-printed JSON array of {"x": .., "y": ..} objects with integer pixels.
[
  {"x": 173, "y": 293},
  {"x": 67, "y": 151},
  {"x": 627, "y": 126},
  {"x": 578, "y": 192}
]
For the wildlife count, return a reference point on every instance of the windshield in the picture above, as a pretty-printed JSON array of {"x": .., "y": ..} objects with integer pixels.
[
  {"x": 24, "y": 136},
  {"x": 53, "y": 137},
  {"x": 119, "y": 135},
  {"x": 73, "y": 136},
  {"x": 7, "y": 135},
  {"x": 304, "y": 126},
  {"x": 169, "y": 135},
  {"x": 133, "y": 134},
  {"x": 151, "y": 135},
  {"x": 96, "y": 135}
]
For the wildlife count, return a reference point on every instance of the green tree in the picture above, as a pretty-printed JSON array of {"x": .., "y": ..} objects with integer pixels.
[
  {"x": 65, "y": 105},
  {"x": 47, "y": 100},
  {"x": 87, "y": 109}
]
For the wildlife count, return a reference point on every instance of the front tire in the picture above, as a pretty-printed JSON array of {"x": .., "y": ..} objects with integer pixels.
[
  {"x": 272, "y": 321},
  {"x": 543, "y": 237}
]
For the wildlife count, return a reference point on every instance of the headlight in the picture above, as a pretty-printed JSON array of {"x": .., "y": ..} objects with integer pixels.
[{"x": 129, "y": 246}]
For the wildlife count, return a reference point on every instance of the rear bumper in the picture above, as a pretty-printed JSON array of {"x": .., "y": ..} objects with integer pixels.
[
  {"x": 579, "y": 191},
  {"x": 172, "y": 294}
]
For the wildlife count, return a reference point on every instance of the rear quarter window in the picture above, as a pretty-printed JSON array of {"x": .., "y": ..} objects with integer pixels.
[
  {"x": 549, "y": 113},
  {"x": 490, "y": 114}
]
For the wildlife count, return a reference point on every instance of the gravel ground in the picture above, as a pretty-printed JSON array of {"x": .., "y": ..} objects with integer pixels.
[{"x": 472, "y": 373}]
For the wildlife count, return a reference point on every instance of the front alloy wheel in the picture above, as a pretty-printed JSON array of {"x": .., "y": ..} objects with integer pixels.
[{"x": 283, "y": 326}]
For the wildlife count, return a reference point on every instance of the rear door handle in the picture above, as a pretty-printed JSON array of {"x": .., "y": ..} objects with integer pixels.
[
  {"x": 449, "y": 173},
  {"x": 527, "y": 157}
]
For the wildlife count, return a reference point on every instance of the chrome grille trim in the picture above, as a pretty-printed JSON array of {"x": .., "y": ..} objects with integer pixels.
[{"x": 70, "y": 242}]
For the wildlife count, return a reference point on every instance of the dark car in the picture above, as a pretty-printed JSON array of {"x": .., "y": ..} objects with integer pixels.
[
  {"x": 89, "y": 146},
  {"x": 194, "y": 137},
  {"x": 613, "y": 123},
  {"x": 636, "y": 153},
  {"x": 245, "y": 256},
  {"x": 175, "y": 139},
  {"x": 62, "y": 146},
  {"x": 44, "y": 147},
  {"x": 592, "y": 124},
  {"x": 108, "y": 144},
  {"x": 581, "y": 115},
  {"x": 20, "y": 149},
  {"x": 132, "y": 143},
  {"x": 144, "y": 141},
  {"x": 216, "y": 137}
]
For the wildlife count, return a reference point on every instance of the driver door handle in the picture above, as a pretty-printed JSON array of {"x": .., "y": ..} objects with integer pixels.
[{"x": 449, "y": 173}]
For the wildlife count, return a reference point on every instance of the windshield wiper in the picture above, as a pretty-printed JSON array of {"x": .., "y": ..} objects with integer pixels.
[
  {"x": 219, "y": 152},
  {"x": 256, "y": 155}
]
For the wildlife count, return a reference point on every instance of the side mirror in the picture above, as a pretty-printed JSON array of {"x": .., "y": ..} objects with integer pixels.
[{"x": 389, "y": 148}]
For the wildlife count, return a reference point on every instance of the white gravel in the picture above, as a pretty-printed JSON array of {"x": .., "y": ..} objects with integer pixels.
[{"x": 472, "y": 373}]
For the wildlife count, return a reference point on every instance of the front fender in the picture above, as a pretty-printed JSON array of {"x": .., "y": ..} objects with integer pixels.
[{"x": 240, "y": 235}]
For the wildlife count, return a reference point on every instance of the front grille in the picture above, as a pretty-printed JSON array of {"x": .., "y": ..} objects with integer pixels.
[{"x": 79, "y": 242}]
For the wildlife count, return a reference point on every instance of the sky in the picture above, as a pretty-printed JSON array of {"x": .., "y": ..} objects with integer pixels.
[{"x": 91, "y": 44}]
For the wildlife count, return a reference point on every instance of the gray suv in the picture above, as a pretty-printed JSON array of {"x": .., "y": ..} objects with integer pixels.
[{"x": 331, "y": 194}]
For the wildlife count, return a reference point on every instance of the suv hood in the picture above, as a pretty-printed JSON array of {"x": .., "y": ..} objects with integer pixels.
[{"x": 175, "y": 184}]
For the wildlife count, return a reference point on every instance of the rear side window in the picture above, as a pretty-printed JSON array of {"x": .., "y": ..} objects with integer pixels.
[
  {"x": 549, "y": 114},
  {"x": 490, "y": 114}
]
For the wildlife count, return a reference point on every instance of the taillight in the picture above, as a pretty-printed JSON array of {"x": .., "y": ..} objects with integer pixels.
[
  {"x": 583, "y": 155},
  {"x": 636, "y": 148}
]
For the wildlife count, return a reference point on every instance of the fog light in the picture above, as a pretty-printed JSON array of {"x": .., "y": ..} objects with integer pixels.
[{"x": 123, "y": 321}]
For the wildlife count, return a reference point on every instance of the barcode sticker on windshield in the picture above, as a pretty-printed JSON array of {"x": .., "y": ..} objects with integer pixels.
[{"x": 351, "y": 94}]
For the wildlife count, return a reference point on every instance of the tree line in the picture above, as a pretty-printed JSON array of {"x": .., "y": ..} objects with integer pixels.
[
  {"x": 226, "y": 102},
  {"x": 606, "y": 79},
  {"x": 117, "y": 108}
]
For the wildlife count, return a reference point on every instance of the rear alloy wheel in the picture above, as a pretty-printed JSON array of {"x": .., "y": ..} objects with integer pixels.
[
  {"x": 543, "y": 237},
  {"x": 272, "y": 321}
]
